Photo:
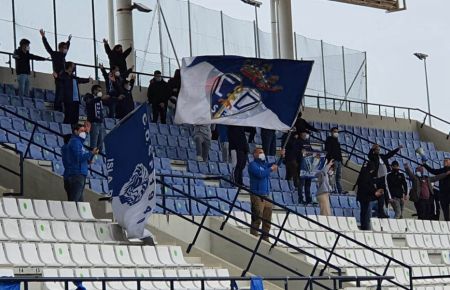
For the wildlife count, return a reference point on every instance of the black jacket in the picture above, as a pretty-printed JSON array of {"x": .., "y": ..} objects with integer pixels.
[
  {"x": 444, "y": 184},
  {"x": 66, "y": 86},
  {"x": 397, "y": 185},
  {"x": 302, "y": 126},
  {"x": 375, "y": 159},
  {"x": 23, "y": 61},
  {"x": 126, "y": 105},
  {"x": 94, "y": 108},
  {"x": 237, "y": 138},
  {"x": 58, "y": 58},
  {"x": 118, "y": 59},
  {"x": 113, "y": 85},
  {"x": 333, "y": 148},
  {"x": 293, "y": 150},
  {"x": 158, "y": 92},
  {"x": 366, "y": 184}
]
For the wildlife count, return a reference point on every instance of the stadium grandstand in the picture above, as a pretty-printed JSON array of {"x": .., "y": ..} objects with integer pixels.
[{"x": 201, "y": 232}]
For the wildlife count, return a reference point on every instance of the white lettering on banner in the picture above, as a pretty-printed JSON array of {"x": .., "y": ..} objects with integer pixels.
[{"x": 110, "y": 169}]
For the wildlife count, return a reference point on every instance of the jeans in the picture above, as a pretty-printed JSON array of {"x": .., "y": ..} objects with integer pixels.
[
  {"x": 225, "y": 148},
  {"x": 202, "y": 145},
  {"x": 76, "y": 185},
  {"x": 24, "y": 85},
  {"x": 338, "y": 176},
  {"x": 305, "y": 187},
  {"x": 397, "y": 204},
  {"x": 366, "y": 215},
  {"x": 269, "y": 141},
  {"x": 97, "y": 134}
]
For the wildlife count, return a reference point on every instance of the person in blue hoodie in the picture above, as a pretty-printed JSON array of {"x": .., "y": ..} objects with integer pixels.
[
  {"x": 77, "y": 160},
  {"x": 259, "y": 171}
]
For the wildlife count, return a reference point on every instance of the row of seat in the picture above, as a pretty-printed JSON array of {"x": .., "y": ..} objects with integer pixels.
[
  {"x": 31, "y": 103},
  {"x": 33, "y": 114},
  {"x": 39, "y": 255},
  {"x": 140, "y": 273},
  {"x": 10, "y": 90},
  {"x": 410, "y": 226}
]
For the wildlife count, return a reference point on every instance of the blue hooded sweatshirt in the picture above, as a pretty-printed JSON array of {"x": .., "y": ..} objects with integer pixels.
[
  {"x": 76, "y": 157},
  {"x": 259, "y": 172}
]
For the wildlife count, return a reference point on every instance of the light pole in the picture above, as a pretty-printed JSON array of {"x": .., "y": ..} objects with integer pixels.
[
  {"x": 423, "y": 56},
  {"x": 255, "y": 4}
]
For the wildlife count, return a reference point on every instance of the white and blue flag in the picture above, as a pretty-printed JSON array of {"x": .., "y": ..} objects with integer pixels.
[
  {"x": 131, "y": 172},
  {"x": 241, "y": 91}
]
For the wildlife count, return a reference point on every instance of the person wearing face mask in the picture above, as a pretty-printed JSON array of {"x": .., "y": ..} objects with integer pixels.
[
  {"x": 422, "y": 190},
  {"x": 125, "y": 103},
  {"x": 77, "y": 160},
  {"x": 444, "y": 187},
  {"x": 114, "y": 88},
  {"x": 58, "y": 60},
  {"x": 333, "y": 149},
  {"x": 94, "y": 111},
  {"x": 261, "y": 206},
  {"x": 302, "y": 126},
  {"x": 118, "y": 57},
  {"x": 304, "y": 188},
  {"x": 324, "y": 187},
  {"x": 22, "y": 56},
  {"x": 70, "y": 91},
  {"x": 292, "y": 158},
  {"x": 398, "y": 189},
  {"x": 382, "y": 168},
  {"x": 158, "y": 95}
]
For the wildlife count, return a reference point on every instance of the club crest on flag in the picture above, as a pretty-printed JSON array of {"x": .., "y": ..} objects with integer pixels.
[{"x": 133, "y": 191}]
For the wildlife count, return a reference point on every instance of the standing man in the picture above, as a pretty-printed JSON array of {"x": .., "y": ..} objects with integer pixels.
[
  {"x": 118, "y": 57},
  {"x": 259, "y": 171},
  {"x": 304, "y": 188},
  {"x": 444, "y": 187},
  {"x": 23, "y": 57},
  {"x": 292, "y": 159},
  {"x": 269, "y": 141},
  {"x": 238, "y": 151},
  {"x": 223, "y": 140},
  {"x": 94, "y": 111},
  {"x": 68, "y": 82},
  {"x": 302, "y": 126},
  {"x": 381, "y": 169},
  {"x": 333, "y": 149},
  {"x": 202, "y": 139},
  {"x": 58, "y": 62},
  {"x": 158, "y": 94},
  {"x": 398, "y": 188},
  {"x": 77, "y": 160}
]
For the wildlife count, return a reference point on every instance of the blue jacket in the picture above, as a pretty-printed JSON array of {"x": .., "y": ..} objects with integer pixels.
[
  {"x": 77, "y": 158},
  {"x": 259, "y": 172},
  {"x": 64, "y": 153}
]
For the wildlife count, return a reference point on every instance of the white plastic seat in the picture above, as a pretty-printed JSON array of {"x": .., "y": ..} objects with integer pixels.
[
  {"x": 159, "y": 284},
  {"x": 74, "y": 232},
  {"x": 164, "y": 256},
  {"x": 342, "y": 224},
  {"x": 115, "y": 285},
  {"x": 436, "y": 241},
  {"x": 410, "y": 241},
  {"x": 352, "y": 224},
  {"x": 389, "y": 243},
  {"x": 30, "y": 254},
  {"x": 3, "y": 237},
  {"x": 12, "y": 231},
  {"x": 151, "y": 257},
  {"x": 370, "y": 257},
  {"x": 313, "y": 226},
  {"x": 320, "y": 218},
  {"x": 128, "y": 273},
  {"x": 41, "y": 209},
  {"x": 56, "y": 210},
  {"x": 403, "y": 228},
  {"x": 71, "y": 211},
  {"x": 85, "y": 211},
  {"x": 84, "y": 273},
  {"x": 420, "y": 227},
  {"x": 96, "y": 272},
  {"x": 89, "y": 233},
  {"x": 437, "y": 227},
  {"x": 3, "y": 259},
  {"x": 444, "y": 227},
  {"x": 14, "y": 255},
  {"x": 208, "y": 284},
  {"x": 6, "y": 272},
  {"x": 445, "y": 257},
  {"x": 28, "y": 230},
  {"x": 104, "y": 233},
  {"x": 411, "y": 225},
  {"x": 407, "y": 257},
  {"x": 427, "y": 240},
  {"x": 224, "y": 274},
  {"x": 108, "y": 255},
  {"x": 78, "y": 254},
  {"x": 385, "y": 227},
  {"x": 26, "y": 208},
  {"x": 376, "y": 226},
  {"x": 171, "y": 273},
  {"x": 2, "y": 212},
  {"x": 420, "y": 241},
  {"x": 123, "y": 256},
  {"x": 59, "y": 231},
  {"x": 62, "y": 255},
  {"x": 428, "y": 227},
  {"x": 44, "y": 231},
  {"x": 10, "y": 207},
  {"x": 293, "y": 221},
  {"x": 379, "y": 241},
  {"x": 185, "y": 273},
  {"x": 239, "y": 215},
  {"x": 393, "y": 224},
  {"x": 93, "y": 255},
  {"x": 370, "y": 241},
  {"x": 66, "y": 273},
  {"x": 321, "y": 239},
  {"x": 117, "y": 233},
  {"x": 46, "y": 255},
  {"x": 137, "y": 256},
  {"x": 145, "y": 285},
  {"x": 397, "y": 254},
  {"x": 445, "y": 242},
  {"x": 52, "y": 273}
]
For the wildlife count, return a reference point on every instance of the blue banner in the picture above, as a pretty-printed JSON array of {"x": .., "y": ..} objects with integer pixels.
[
  {"x": 241, "y": 91},
  {"x": 311, "y": 163},
  {"x": 131, "y": 172}
]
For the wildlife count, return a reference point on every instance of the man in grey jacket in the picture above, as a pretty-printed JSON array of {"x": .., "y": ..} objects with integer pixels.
[
  {"x": 324, "y": 188},
  {"x": 202, "y": 139}
]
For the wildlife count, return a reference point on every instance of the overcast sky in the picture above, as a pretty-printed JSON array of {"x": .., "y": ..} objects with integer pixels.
[{"x": 395, "y": 76}]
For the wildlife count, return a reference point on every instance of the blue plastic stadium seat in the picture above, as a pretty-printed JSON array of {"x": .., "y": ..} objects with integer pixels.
[
  {"x": 174, "y": 130},
  {"x": 288, "y": 198},
  {"x": 191, "y": 143},
  {"x": 348, "y": 212},
  {"x": 277, "y": 197},
  {"x": 334, "y": 201},
  {"x": 284, "y": 184},
  {"x": 409, "y": 135},
  {"x": 38, "y": 104},
  {"x": 165, "y": 163},
  {"x": 191, "y": 154},
  {"x": 58, "y": 117},
  {"x": 157, "y": 163},
  {"x": 416, "y": 135},
  {"x": 12, "y": 137},
  {"x": 43, "y": 127},
  {"x": 224, "y": 168},
  {"x": 172, "y": 141},
  {"x": 3, "y": 136},
  {"x": 16, "y": 101},
  {"x": 65, "y": 129},
  {"x": 395, "y": 134},
  {"x": 210, "y": 191},
  {"x": 213, "y": 168},
  {"x": 180, "y": 205},
  {"x": 109, "y": 123},
  {"x": 28, "y": 103},
  {"x": 24, "y": 112},
  {"x": 310, "y": 210},
  {"x": 4, "y": 99},
  {"x": 222, "y": 193},
  {"x": 163, "y": 129},
  {"x": 203, "y": 168},
  {"x": 48, "y": 155},
  {"x": 171, "y": 153},
  {"x": 35, "y": 115},
  {"x": 10, "y": 89},
  {"x": 182, "y": 153},
  {"x": 58, "y": 167},
  {"x": 338, "y": 211},
  {"x": 38, "y": 93},
  {"x": 49, "y": 96},
  {"x": 343, "y": 200},
  {"x": 214, "y": 156},
  {"x": 401, "y": 135},
  {"x": 162, "y": 140},
  {"x": 430, "y": 146},
  {"x": 39, "y": 139},
  {"x": 183, "y": 142},
  {"x": 54, "y": 127},
  {"x": 246, "y": 181},
  {"x": 5, "y": 123},
  {"x": 192, "y": 166},
  {"x": 185, "y": 131},
  {"x": 160, "y": 151},
  {"x": 35, "y": 152}
]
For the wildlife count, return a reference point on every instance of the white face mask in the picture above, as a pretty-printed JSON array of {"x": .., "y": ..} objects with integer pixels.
[
  {"x": 117, "y": 73},
  {"x": 27, "y": 48},
  {"x": 306, "y": 136},
  {"x": 262, "y": 156},
  {"x": 335, "y": 135},
  {"x": 127, "y": 88},
  {"x": 419, "y": 174},
  {"x": 82, "y": 135},
  {"x": 99, "y": 94},
  {"x": 65, "y": 51},
  {"x": 158, "y": 79}
]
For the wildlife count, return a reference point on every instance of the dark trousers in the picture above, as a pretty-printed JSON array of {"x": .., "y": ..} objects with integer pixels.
[
  {"x": 75, "y": 186},
  {"x": 293, "y": 172},
  {"x": 58, "y": 97},
  {"x": 269, "y": 142},
  {"x": 241, "y": 161},
  {"x": 382, "y": 200},
  {"x": 424, "y": 208},
  {"x": 445, "y": 205},
  {"x": 304, "y": 188},
  {"x": 365, "y": 215},
  {"x": 157, "y": 111},
  {"x": 251, "y": 136},
  {"x": 71, "y": 112}
]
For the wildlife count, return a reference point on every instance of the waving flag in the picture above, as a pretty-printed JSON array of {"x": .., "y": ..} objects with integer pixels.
[
  {"x": 131, "y": 172},
  {"x": 240, "y": 91}
]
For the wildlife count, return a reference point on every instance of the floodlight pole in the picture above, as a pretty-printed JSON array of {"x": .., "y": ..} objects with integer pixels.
[{"x": 428, "y": 90}]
